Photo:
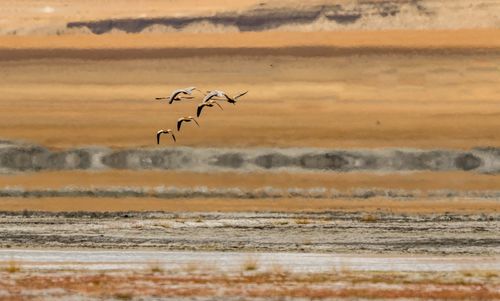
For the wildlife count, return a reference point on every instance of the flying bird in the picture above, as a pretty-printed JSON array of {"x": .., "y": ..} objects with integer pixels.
[
  {"x": 209, "y": 104},
  {"x": 233, "y": 99},
  {"x": 222, "y": 94},
  {"x": 212, "y": 94},
  {"x": 185, "y": 119},
  {"x": 177, "y": 95},
  {"x": 169, "y": 131}
]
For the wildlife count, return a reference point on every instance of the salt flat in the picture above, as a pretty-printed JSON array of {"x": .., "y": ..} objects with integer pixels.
[{"x": 232, "y": 261}]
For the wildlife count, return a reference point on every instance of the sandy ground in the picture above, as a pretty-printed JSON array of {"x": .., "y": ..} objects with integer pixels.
[
  {"x": 424, "y": 101},
  {"x": 377, "y": 204},
  {"x": 482, "y": 39},
  {"x": 250, "y": 279},
  {"x": 356, "y": 89},
  {"x": 337, "y": 231},
  {"x": 470, "y": 273},
  {"x": 422, "y": 181}
]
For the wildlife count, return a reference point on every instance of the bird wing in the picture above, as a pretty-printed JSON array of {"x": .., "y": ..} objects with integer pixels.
[
  {"x": 158, "y": 137},
  {"x": 174, "y": 95},
  {"x": 209, "y": 96},
  {"x": 206, "y": 97},
  {"x": 218, "y": 105},
  {"x": 196, "y": 121},
  {"x": 173, "y": 137},
  {"x": 188, "y": 90},
  {"x": 200, "y": 107},
  {"x": 241, "y": 94},
  {"x": 179, "y": 123},
  {"x": 229, "y": 99}
]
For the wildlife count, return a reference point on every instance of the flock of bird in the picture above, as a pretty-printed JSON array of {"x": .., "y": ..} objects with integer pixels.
[{"x": 210, "y": 100}]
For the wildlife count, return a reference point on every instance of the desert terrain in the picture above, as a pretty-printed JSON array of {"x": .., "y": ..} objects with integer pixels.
[
  {"x": 352, "y": 99},
  {"x": 363, "y": 162}
]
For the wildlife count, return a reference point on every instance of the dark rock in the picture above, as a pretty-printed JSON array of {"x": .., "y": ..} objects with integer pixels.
[
  {"x": 329, "y": 161},
  {"x": 231, "y": 160},
  {"x": 23, "y": 158},
  {"x": 273, "y": 161},
  {"x": 467, "y": 162}
]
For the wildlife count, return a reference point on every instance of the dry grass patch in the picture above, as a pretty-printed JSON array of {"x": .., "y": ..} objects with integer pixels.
[
  {"x": 369, "y": 218},
  {"x": 302, "y": 221},
  {"x": 250, "y": 264},
  {"x": 124, "y": 296},
  {"x": 155, "y": 267},
  {"x": 11, "y": 266}
]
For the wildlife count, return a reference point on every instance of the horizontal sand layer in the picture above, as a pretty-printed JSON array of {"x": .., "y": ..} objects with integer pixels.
[
  {"x": 406, "y": 39},
  {"x": 380, "y": 204},
  {"x": 345, "y": 101},
  {"x": 344, "y": 182}
]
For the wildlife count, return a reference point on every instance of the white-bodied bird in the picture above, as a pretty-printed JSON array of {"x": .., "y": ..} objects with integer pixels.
[
  {"x": 218, "y": 93},
  {"x": 185, "y": 119},
  {"x": 169, "y": 131},
  {"x": 212, "y": 94},
  {"x": 177, "y": 95},
  {"x": 209, "y": 104},
  {"x": 233, "y": 99}
]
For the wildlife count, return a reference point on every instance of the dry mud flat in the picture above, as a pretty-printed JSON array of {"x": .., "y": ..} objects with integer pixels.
[
  {"x": 270, "y": 232},
  {"x": 250, "y": 282}
]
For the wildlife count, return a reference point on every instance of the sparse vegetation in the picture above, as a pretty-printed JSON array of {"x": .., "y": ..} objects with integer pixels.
[
  {"x": 369, "y": 218},
  {"x": 302, "y": 221},
  {"x": 281, "y": 223},
  {"x": 278, "y": 270},
  {"x": 123, "y": 296},
  {"x": 12, "y": 266},
  {"x": 191, "y": 267},
  {"x": 165, "y": 225},
  {"x": 250, "y": 264},
  {"x": 155, "y": 267}
]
